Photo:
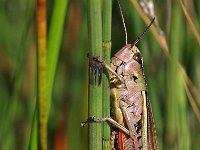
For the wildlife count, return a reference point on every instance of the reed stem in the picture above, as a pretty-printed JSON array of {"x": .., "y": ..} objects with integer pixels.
[
  {"x": 95, "y": 90},
  {"x": 42, "y": 73},
  {"x": 107, "y": 19}
]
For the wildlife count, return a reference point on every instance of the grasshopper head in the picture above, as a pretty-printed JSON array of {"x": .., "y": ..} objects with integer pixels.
[
  {"x": 128, "y": 60},
  {"x": 126, "y": 54}
]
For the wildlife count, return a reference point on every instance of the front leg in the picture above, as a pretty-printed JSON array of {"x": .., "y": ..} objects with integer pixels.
[{"x": 96, "y": 66}]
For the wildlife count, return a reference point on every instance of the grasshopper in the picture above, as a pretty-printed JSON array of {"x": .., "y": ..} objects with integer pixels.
[{"x": 131, "y": 112}]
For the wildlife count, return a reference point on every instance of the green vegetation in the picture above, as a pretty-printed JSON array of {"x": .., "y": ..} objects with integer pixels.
[
  {"x": 95, "y": 90},
  {"x": 74, "y": 28},
  {"x": 107, "y": 21}
]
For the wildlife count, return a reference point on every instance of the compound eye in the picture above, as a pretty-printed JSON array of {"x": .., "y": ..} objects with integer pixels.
[{"x": 138, "y": 57}]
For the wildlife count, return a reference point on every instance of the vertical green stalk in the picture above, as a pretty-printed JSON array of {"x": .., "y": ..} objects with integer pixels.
[
  {"x": 42, "y": 73},
  {"x": 107, "y": 19},
  {"x": 54, "y": 41},
  {"x": 95, "y": 91}
]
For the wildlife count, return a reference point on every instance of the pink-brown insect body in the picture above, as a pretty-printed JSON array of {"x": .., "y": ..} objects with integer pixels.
[{"x": 127, "y": 63}]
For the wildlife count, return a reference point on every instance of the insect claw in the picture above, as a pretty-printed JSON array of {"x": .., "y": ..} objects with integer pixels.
[
  {"x": 89, "y": 120},
  {"x": 96, "y": 65},
  {"x": 84, "y": 123}
]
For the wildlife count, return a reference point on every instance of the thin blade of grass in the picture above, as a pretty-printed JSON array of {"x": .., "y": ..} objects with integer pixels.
[
  {"x": 54, "y": 42},
  {"x": 190, "y": 23}
]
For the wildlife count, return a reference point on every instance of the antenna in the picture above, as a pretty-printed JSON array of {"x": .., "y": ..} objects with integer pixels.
[
  {"x": 137, "y": 40},
  {"x": 123, "y": 20}
]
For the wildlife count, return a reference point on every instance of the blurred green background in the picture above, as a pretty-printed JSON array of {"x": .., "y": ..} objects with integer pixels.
[{"x": 175, "y": 100}]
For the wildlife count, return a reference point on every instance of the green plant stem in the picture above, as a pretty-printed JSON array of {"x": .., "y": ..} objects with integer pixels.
[
  {"x": 107, "y": 19},
  {"x": 54, "y": 41},
  {"x": 95, "y": 91}
]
